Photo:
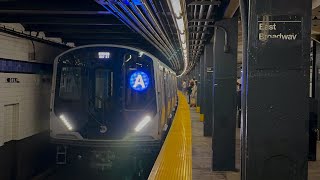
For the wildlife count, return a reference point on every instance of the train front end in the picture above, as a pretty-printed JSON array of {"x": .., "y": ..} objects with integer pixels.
[{"x": 104, "y": 105}]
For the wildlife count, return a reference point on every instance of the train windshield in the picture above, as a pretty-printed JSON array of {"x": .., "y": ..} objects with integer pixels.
[{"x": 140, "y": 92}]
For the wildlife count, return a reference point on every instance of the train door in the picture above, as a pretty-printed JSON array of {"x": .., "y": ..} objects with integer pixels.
[
  {"x": 159, "y": 97},
  {"x": 165, "y": 94}
]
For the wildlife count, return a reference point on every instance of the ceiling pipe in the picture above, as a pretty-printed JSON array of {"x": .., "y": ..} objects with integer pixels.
[
  {"x": 152, "y": 18},
  {"x": 175, "y": 18},
  {"x": 174, "y": 39},
  {"x": 130, "y": 23},
  {"x": 133, "y": 22},
  {"x": 150, "y": 27},
  {"x": 140, "y": 24}
]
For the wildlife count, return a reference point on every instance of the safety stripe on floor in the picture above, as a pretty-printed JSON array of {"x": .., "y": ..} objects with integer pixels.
[{"x": 174, "y": 161}]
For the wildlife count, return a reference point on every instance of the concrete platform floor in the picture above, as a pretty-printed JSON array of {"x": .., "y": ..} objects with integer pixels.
[{"x": 201, "y": 156}]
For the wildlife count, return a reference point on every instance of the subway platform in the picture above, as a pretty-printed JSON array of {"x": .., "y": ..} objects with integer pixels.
[{"x": 174, "y": 159}]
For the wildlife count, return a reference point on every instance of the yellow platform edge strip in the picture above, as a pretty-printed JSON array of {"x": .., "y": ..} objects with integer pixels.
[
  {"x": 198, "y": 109},
  {"x": 174, "y": 161},
  {"x": 201, "y": 117}
]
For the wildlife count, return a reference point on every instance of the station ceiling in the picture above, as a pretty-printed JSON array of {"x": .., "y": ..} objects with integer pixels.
[
  {"x": 79, "y": 22},
  {"x": 122, "y": 22}
]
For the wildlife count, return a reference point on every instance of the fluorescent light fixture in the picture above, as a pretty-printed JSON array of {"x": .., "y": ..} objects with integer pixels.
[
  {"x": 184, "y": 45},
  {"x": 183, "y": 37},
  {"x": 66, "y": 122},
  {"x": 185, "y": 51},
  {"x": 181, "y": 25},
  {"x": 142, "y": 123},
  {"x": 176, "y": 7}
]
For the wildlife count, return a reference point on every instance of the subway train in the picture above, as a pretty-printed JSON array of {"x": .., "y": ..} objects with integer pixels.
[{"x": 108, "y": 100}]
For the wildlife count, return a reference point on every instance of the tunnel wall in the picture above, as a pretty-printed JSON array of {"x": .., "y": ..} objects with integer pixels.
[{"x": 25, "y": 84}]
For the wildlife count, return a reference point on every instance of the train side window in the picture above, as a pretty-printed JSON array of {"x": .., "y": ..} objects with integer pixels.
[
  {"x": 70, "y": 83},
  {"x": 103, "y": 87}
]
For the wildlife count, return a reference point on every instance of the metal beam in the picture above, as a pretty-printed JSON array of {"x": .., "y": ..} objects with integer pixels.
[
  {"x": 197, "y": 39},
  {"x": 207, "y": 26},
  {"x": 53, "y": 12},
  {"x": 275, "y": 112},
  {"x": 202, "y": 32},
  {"x": 196, "y": 45},
  {"x": 109, "y": 41},
  {"x": 205, "y": 3},
  {"x": 92, "y": 35},
  {"x": 59, "y": 5},
  {"x": 84, "y": 29},
  {"x": 224, "y": 94},
  {"x": 231, "y": 9},
  {"x": 62, "y": 19},
  {"x": 201, "y": 20},
  {"x": 315, "y": 4}
]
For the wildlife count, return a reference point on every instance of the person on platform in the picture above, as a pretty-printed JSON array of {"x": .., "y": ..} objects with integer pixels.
[
  {"x": 189, "y": 90},
  {"x": 194, "y": 95},
  {"x": 184, "y": 87}
]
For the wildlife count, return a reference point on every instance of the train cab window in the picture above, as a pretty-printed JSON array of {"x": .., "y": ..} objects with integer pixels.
[
  {"x": 70, "y": 83},
  {"x": 140, "y": 89},
  {"x": 103, "y": 87}
]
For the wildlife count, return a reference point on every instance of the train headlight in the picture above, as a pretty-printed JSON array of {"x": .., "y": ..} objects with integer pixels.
[
  {"x": 66, "y": 122},
  {"x": 143, "y": 123}
]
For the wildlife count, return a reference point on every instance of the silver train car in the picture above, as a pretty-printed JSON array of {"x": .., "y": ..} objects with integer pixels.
[{"x": 109, "y": 98}]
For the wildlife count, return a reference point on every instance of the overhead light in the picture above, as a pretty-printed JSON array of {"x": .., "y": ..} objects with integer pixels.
[
  {"x": 142, "y": 123},
  {"x": 176, "y": 6},
  {"x": 66, "y": 122},
  {"x": 184, "y": 46},
  {"x": 185, "y": 51},
  {"x": 183, "y": 37},
  {"x": 181, "y": 25}
]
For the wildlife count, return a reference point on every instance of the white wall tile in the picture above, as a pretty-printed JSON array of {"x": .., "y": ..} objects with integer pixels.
[{"x": 32, "y": 95}]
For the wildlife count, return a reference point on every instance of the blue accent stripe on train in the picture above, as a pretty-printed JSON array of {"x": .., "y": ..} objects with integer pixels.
[{"x": 24, "y": 67}]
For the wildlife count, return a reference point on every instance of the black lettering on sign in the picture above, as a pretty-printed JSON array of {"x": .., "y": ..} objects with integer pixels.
[{"x": 13, "y": 80}]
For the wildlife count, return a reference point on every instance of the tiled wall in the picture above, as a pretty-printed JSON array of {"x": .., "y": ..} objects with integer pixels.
[
  {"x": 25, "y": 73},
  {"x": 15, "y": 66}
]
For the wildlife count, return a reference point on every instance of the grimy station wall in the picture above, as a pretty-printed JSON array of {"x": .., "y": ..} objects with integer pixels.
[{"x": 25, "y": 85}]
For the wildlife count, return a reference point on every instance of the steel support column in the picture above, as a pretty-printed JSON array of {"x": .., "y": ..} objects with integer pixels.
[
  {"x": 208, "y": 89},
  {"x": 276, "y": 73},
  {"x": 201, "y": 92},
  {"x": 316, "y": 81},
  {"x": 224, "y": 95}
]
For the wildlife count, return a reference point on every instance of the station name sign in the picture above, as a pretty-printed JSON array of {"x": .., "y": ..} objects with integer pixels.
[
  {"x": 279, "y": 28},
  {"x": 12, "y": 80},
  {"x": 209, "y": 69},
  {"x": 278, "y": 38}
]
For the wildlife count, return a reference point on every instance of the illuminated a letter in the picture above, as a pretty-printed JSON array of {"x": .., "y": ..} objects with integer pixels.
[{"x": 139, "y": 81}]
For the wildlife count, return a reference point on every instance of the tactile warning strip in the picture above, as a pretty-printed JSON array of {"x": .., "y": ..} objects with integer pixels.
[{"x": 174, "y": 161}]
